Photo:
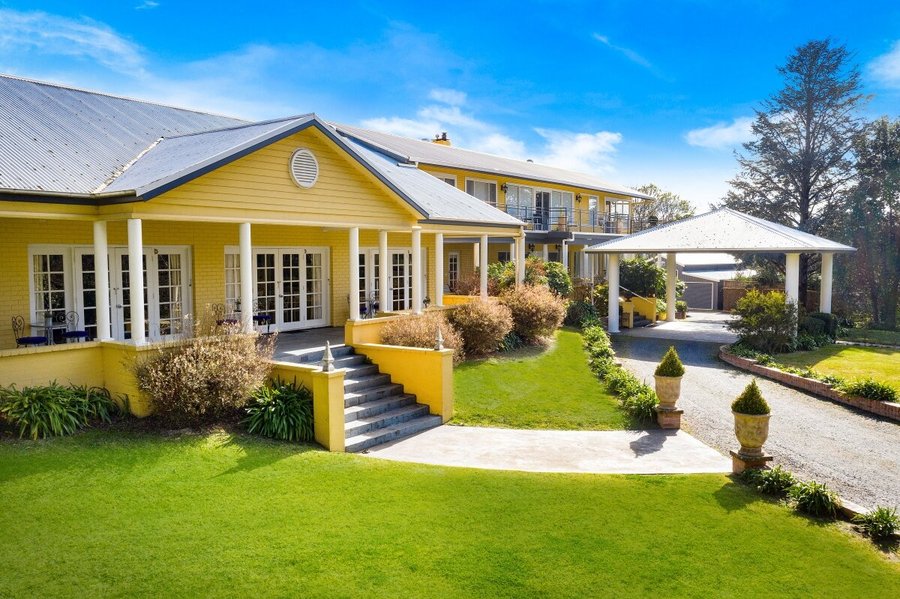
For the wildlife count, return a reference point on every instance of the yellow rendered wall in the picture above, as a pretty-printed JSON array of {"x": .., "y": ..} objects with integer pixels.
[
  {"x": 259, "y": 186},
  {"x": 70, "y": 364}
]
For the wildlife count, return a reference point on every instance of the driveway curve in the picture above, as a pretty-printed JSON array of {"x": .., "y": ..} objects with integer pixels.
[{"x": 855, "y": 453}]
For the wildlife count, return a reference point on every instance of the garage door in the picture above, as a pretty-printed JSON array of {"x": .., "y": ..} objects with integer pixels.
[{"x": 699, "y": 295}]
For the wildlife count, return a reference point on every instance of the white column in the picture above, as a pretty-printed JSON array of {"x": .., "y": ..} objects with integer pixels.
[
  {"x": 438, "y": 269},
  {"x": 671, "y": 279},
  {"x": 792, "y": 278},
  {"x": 246, "y": 266},
  {"x": 512, "y": 252},
  {"x": 101, "y": 280},
  {"x": 545, "y": 253},
  {"x": 612, "y": 277},
  {"x": 585, "y": 263},
  {"x": 384, "y": 265},
  {"x": 483, "y": 266},
  {"x": 564, "y": 255},
  {"x": 417, "y": 270},
  {"x": 825, "y": 285},
  {"x": 520, "y": 260},
  {"x": 354, "y": 273},
  {"x": 136, "y": 280}
]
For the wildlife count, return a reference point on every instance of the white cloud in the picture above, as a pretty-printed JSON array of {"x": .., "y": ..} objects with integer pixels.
[
  {"x": 81, "y": 38},
  {"x": 583, "y": 152},
  {"x": 413, "y": 128},
  {"x": 453, "y": 97},
  {"x": 147, "y": 5},
  {"x": 722, "y": 135},
  {"x": 886, "y": 68},
  {"x": 626, "y": 52}
]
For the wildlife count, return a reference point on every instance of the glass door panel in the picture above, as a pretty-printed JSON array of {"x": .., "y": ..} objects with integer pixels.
[
  {"x": 315, "y": 288},
  {"x": 168, "y": 315},
  {"x": 123, "y": 296},
  {"x": 291, "y": 288},
  {"x": 401, "y": 285},
  {"x": 266, "y": 287}
]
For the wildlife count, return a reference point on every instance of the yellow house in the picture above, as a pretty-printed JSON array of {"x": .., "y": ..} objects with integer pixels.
[{"x": 286, "y": 225}]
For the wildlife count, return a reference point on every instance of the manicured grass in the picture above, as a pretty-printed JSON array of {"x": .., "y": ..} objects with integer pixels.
[
  {"x": 881, "y": 364},
  {"x": 549, "y": 388},
  {"x": 116, "y": 514},
  {"x": 872, "y": 336}
]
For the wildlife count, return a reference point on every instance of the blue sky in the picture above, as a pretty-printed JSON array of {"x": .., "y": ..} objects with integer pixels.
[{"x": 635, "y": 92}]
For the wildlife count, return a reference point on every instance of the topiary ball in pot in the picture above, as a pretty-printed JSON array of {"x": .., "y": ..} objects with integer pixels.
[
  {"x": 751, "y": 420},
  {"x": 668, "y": 379}
]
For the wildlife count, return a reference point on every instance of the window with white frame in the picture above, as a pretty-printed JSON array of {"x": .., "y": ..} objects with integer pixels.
[
  {"x": 562, "y": 205},
  {"x": 503, "y": 257},
  {"x": 49, "y": 277},
  {"x": 232, "y": 282},
  {"x": 486, "y": 191},
  {"x": 519, "y": 201},
  {"x": 453, "y": 270},
  {"x": 448, "y": 179},
  {"x": 593, "y": 202}
]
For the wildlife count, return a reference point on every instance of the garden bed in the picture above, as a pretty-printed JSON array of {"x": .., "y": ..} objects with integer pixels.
[{"x": 882, "y": 408}]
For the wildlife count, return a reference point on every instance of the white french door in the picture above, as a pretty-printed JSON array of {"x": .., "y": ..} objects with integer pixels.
[
  {"x": 166, "y": 292},
  {"x": 399, "y": 278},
  {"x": 291, "y": 286}
]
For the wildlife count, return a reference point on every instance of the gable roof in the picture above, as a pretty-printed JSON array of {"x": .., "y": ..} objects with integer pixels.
[
  {"x": 426, "y": 152},
  {"x": 58, "y": 139},
  {"x": 721, "y": 230}
]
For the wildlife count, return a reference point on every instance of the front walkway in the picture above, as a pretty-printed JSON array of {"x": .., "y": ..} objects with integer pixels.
[
  {"x": 293, "y": 345},
  {"x": 698, "y": 326},
  {"x": 597, "y": 452},
  {"x": 857, "y": 454}
]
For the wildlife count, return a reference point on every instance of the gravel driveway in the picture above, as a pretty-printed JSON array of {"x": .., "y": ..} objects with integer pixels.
[{"x": 857, "y": 454}]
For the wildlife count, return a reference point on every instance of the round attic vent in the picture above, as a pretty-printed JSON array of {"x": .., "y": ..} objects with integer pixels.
[{"x": 304, "y": 168}]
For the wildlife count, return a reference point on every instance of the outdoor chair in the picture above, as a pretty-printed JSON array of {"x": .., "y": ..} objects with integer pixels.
[
  {"x": 221, "y": 317},
  {"x": 72, "y": 332},
  {"x": 263, "y": 319},
  {"x": 18, "y": 325}
]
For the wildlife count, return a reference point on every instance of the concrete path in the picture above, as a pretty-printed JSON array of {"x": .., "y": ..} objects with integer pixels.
[
  {"x": 698, "y": 326},
  {"x": 855, "y": 453},
  {"x": 600, "y": 452}
]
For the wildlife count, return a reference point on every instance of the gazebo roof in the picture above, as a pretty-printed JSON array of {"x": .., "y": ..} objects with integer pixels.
[{"x": 721, "y": 230}]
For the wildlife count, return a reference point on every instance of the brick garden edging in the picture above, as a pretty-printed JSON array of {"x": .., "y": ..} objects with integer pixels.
[{"x": 882, "y": 408}]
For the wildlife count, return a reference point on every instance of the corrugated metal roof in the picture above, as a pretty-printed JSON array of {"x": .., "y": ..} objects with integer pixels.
[
  {"x": 174, "y": 157},
  {"x": 434, "y": 198},
  {"x": 722, "y": 230},
  {"x": 59, "y": 139},
  {"x": 426, "y": 152}
]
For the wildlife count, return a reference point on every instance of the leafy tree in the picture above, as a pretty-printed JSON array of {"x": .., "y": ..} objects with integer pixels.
[
  {"x": 643, "y": 277},
  {"x": 558, "y": 279},
  {"x": 665, "y": 205},
  {"x": 873, "y": 220},
  {"x": 765, "y": 321},
  {"x": 799, "y": 168}
]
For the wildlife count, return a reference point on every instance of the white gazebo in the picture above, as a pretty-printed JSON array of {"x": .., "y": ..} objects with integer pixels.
[{"x": 722, "y": 230}]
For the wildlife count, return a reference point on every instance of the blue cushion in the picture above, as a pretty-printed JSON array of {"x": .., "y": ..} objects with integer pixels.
[
  {"x": 75, "y": 334},
  {"x": 262, "y": 318},
  {"x": 31, "y": 340}
]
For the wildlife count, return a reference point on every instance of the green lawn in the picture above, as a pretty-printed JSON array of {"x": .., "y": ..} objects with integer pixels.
[
  {"x": 879, "y": 363},
  {"x": 123, "y": 514},
  {"x": 535, "y": 388},
  {"x": 872, "y": 336}
]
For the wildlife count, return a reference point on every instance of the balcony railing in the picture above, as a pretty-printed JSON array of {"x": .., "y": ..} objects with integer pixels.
[{"x": 582, "y": 221}]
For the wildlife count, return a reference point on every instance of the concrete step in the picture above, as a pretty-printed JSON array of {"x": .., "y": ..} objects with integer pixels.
[
  {"x": 357, "y": 371},
  {"x": 337, "y": 351},
  {"x": 365, "y": 382},
  {"x": 364, "y": 441},
  {"x": 385, "y": 419},
  {"x": 378, "y": 406},
  {"x": 362, "y": 396}
]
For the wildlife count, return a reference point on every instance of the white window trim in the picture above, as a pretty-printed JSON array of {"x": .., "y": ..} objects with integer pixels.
[
  {"x": 443, "y": 176},
  {"x": 489, "y": 182}
]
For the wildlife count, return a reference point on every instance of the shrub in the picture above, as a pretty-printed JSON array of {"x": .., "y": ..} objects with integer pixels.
[
  {"x": 599, "y": 350},
  {"x": 642, "y": 276},
  {"x": 880, "y": 524},
  {"x": 281, "y": 410},
  {"x": 815, "y": 499},
  {"x": 601, "y": 299},
  {"x": 54, "y": 410},
  {"x": 536, "y": 311},
  {"x": 670, "y": 365},
  {"x": 812, "y": 326},
  {"x": 471, "y": 285},
  {"x": 205, "y": 378},
  {"x": 421, "y": 331},
  {"x": 558, "y": 279},
  {"x": 483, "y": 326},
  {"x": 502, "y": 275},
  {"x": 870, "y": 389},
  {"x": 511, "y": 342},
  {"x": 750, "y": 401},
  {"x": 765, "y": 322},
  {"x": 639, "y": 405},
  {"x": 776, "y": 482},
  {"x": 807, "y": 342},
  {"x": 681, "y": 306},
  {"x": 580, "y": 312},
  {"x": 829, "y": 321}
]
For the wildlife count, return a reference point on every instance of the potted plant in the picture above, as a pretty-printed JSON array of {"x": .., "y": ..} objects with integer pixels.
[
  {"x": 680, "y": 309},
  {"x": 668, "y": 379},
  {"x": 751, "y": 420}
]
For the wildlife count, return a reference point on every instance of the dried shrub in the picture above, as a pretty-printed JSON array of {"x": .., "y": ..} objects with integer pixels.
[
  {"x": 421, "y": 330},
  {"x": 205, "y": 378},
  {"x": 537, "y": 312},
  {"x": 483, "y": 326}
]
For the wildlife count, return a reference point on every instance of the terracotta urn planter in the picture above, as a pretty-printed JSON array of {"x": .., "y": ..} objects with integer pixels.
[
  {"x": 668, "y": 389},
  {"x": 751, "y": 431}
]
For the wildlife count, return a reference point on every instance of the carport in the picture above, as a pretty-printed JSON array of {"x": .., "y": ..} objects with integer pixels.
[{"x": 721, "y": 230}]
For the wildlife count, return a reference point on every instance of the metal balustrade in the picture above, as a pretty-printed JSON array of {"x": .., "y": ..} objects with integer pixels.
[{"x": 578, "y": 220}]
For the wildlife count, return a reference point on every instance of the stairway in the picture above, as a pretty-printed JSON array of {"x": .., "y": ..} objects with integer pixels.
[
  {"x": 639, "y": 321},
  {"x": 376, "y": 410}
]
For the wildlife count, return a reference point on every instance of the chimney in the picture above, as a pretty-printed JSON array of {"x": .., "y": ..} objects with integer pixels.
[{"x": 441, "y": 139}]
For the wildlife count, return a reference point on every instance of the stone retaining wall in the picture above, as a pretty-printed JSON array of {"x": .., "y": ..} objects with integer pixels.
[{"x": 882, "y": 408}]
